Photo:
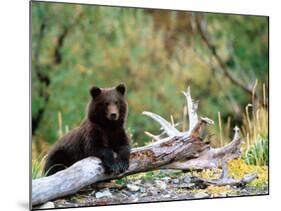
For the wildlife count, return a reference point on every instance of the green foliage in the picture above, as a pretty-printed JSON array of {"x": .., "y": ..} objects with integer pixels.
[
  {"x": 120, "y": 181},
  {"x": 246, "y": 42},
  {"x": 108, "y": 45},
  {"x": 37, "y": 169},
  {"x": 255, "y": 131},
  {"x": 258, "y": 153}
]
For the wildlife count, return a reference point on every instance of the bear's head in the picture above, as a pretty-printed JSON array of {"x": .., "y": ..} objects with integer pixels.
[{"x": 108, "y": 105}]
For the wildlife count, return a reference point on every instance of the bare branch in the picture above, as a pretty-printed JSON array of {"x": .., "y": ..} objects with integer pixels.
[
  {"x": 155, "y": 137},
  {"x": 167, "y": 127},
  {"x": 234, "y": 144},
  {"x": 192, "y": 109}
]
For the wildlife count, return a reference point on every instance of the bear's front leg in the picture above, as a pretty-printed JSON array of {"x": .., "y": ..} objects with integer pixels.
[
  {"x": 123, "y": 154},
  {"x": 107, "y": 157}
]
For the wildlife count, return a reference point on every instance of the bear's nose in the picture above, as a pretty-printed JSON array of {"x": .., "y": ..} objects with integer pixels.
[{"x": 113, "y": 116}]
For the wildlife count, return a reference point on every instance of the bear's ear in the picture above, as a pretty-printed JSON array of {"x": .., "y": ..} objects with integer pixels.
[
  {"x": 121, "y": 88},
  {"x": 95, "y": 91}
]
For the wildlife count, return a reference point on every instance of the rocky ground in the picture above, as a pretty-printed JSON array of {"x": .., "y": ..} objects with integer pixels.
[{"x": 149, "y": 190}]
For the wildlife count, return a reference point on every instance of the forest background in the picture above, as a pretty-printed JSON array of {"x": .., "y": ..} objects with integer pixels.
[{"x": 157, "y": 54}]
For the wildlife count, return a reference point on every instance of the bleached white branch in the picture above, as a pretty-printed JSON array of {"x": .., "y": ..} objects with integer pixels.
[
  {"x": 229, "y": 148},
  {"x": 167, "y": 127},
  {"x": 192, "y": 109},
  {"x": 207, "y": 120},
  {"x": 154, "y": 137}
]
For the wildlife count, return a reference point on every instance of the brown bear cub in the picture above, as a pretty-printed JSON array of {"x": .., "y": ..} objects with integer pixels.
[{"x": 102, "y": 134}]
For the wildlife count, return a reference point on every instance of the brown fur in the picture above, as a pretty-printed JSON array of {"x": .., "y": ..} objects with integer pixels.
[{"x": 102, "y": 134}]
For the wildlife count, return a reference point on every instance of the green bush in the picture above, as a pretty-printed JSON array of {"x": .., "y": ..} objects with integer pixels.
[{"x": 258, "y": 153}]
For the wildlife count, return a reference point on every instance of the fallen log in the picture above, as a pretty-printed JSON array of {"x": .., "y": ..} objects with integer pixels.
[{"x": 179, "y": 150}]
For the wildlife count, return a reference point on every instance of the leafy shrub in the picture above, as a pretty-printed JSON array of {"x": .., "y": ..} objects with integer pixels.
[{"x": 258, "y": 153}]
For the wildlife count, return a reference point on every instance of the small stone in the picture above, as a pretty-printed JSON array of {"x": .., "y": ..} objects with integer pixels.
[
  {"x": 135, "y": 200},
  {"x": 191, "y": 185},
  {"x": 161, "y": 185},
  {"x": 133, "y": 188},
  {"x": 176, "y": 181},
  {"x": 142, "y": 190},
  {"x": 184, "y": 185},
  {"x": 201, "y": 195},
  {"x": 120, "y": 195},
  {"x": 143, "y": 195},
  {"x": 137, "y": 182},
  {"x": 47, "y": 205},
  {"x": 153, "y": 191},
  {"x": 166, "y": 178},
  {"x": 186, "y": 179},
  {"x": 127, "y": 193},
  {"x": 103, "y": 193}
]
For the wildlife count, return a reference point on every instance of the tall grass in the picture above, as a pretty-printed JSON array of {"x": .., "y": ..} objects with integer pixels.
[
  {"x": 220, "y": 127},
  {"x": 255, "y": 130},
  {"x": 37, "y": 167},
  {"x": 39, "y": 153}
]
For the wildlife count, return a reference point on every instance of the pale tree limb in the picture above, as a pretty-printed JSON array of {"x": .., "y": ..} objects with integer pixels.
[
  {"x": 179, "y": 150},
  {"x": 167, "y": 127},
  {"x": 192, "y": 109}
]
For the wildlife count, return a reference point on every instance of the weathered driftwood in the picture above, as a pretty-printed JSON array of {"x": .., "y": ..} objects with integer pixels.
[
  {"x": 225, "y": 179},
  {"x": 179, "y": 150}
]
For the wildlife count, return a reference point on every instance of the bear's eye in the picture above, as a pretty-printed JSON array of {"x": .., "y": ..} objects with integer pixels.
[
  {"x": 106, "y": 103},
  {"x": 116, "y": 102}
]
